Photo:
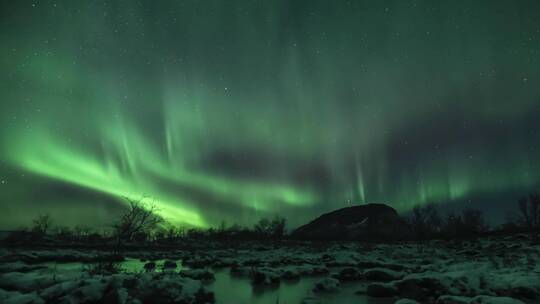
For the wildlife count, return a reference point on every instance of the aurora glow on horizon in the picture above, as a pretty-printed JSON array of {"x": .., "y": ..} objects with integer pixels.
[{"x": 236, "y": 110}]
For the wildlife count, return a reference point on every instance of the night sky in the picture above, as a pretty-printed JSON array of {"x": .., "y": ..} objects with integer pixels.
[{"x": 237, "y": 110}]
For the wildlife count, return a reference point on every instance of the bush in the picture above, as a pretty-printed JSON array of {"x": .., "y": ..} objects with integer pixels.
[
  {"x": 274, "y": 228},
  {"x": 140, "y": 218},
  {"x": 470, "y": 222},
  {"x": 41, "y": 224},
  {"x": 425, "y": 221},
  {"x": 65, "y": 233},
  {"x": 103, "y": 268},
  {"x": 528, "y": 215}
]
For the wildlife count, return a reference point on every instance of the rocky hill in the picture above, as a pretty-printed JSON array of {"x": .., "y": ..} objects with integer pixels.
[{"x": 364, "y": 222}]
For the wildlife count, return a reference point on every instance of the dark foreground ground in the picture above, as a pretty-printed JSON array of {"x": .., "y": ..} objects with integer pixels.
[{"x": 497, "y": 269}]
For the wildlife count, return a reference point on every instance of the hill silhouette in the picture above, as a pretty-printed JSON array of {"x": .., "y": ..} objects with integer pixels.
[{"x": 364, "y": 222}]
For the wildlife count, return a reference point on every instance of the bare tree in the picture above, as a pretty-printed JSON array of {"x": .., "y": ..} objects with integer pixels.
[
  {"x": 277, "y": 227},
  {"x": 262, "y": 227},
  {"x": 534, "y": 209},
  {"x": 425, "y": 221},
  {"x": 473, "y": 222},
  {"x": 274, "y": 228},
  {"x": 524, "y": 216},
  {"x": 529, "y": 211},
  {"x": 141, "y": 217},
  {"x": 42, "y": 224},
  {"x": 81, "y": 231},
  {"x": 453, "y": 225}
]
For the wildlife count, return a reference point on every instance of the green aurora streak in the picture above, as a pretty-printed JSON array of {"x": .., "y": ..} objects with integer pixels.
[{"x": 220, "y": 110}]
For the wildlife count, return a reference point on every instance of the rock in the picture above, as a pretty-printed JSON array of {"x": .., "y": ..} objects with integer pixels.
[
  {"x": 326, "y": 285},
  {"x": 50, "y": 294},
  {"x": 91, "y": 291},
  {"x": 446, "y": 299},
  {"x": 406, "y": 301},
  {"x": 240, "y": 271},
  {"x": 290, "y": 275},
  {"x": 371, "y": 264},
  {"x": 525, "y": 292},
  {"x": 20, "y": 257},
  {"x": 202, "y": 296},
  {"x": 362, "y": 290},
  {"x": 383, "y": 275},
  {"x": 381, "y": 290},
  {"x": 130, "y": 282},
  {"x": 115, "y": 296},
  {"x": 222, "y": 263},
  {"x": 26, "y": 282},
  {"x": 420, "y": 288},
  {"x": 27, "y": 298},
  {"x": 170, "y": 287},
  {"x": 264, "y": 276},
  {"x": 19, "y": 267},
  {"x": 494, "y": 300},
  {"x": 349, "y": 274},
  {"x": 198, "y": 274},
  {"x": 150, "y": 266},
  {"x": 319, "y": 270},
  {"x": 169, "y": 265},
  {"x": 199, "y": 262},
  {"x": 309, "y": 270},
  {"x": 311, "y": 300}
]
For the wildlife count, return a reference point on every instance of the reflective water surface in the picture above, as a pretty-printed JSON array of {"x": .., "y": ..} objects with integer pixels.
[{"x": 231, "y": 289}]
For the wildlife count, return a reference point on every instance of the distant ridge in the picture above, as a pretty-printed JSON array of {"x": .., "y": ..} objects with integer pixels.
[{"x": 363, "y": 222}]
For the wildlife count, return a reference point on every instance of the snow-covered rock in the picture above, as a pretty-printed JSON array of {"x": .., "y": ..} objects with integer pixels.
[
  {"x": 348, "y": 274},
  {"x": 169, "y": 265},
  {"x": 406, "y": 301},
  {"x": 446, "y": 299},
  {"x": 26, "y": 282},
  {"x": 381, "y": 290},
  {"x": 382, "y": 274},
  {"x": 326, "y": 285},
  {"x": 494, "y": 300},
  {"x": 19, "y": 298},
  {"x": 198, "y": 274},
  {"x": 265, "y": 276},
  {"x": 150, "y": 266}
]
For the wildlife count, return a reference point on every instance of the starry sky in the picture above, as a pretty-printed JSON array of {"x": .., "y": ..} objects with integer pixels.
[{"x": 237, "y": 110}]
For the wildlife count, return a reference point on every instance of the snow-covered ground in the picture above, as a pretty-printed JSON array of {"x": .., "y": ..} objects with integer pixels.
[{"x": 489, "y": 270}]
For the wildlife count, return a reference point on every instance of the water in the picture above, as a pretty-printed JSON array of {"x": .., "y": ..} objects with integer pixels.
[{"x": 231, "y": 289}]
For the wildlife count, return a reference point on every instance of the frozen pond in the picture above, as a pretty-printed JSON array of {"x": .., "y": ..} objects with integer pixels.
[
  {"x": 227, "y": 287},
  {"x": 491, "y": 270}
]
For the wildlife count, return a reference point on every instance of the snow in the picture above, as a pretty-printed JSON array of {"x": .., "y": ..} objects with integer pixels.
[
  {"x": 383, "y": 274},
  {"x": 406, "y": 301},
  {"x": 489, "y": 270},
  {"x": 477, "y": 300},
  {"x": 494, "y": 300},
  {"x": 326, "y": 285},
  {"x": 27, "y": 298},
  {"x": 25, "y": 281},
  {"x": 198, "y": 274}
]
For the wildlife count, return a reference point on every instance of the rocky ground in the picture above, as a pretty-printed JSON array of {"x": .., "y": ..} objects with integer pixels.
[{"x": 489, "y": 270}]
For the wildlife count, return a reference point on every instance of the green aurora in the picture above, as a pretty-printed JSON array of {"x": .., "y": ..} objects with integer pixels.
[{"x": 236, "y": 110}]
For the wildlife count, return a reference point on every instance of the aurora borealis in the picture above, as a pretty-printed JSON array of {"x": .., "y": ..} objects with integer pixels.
[{"x": 236, "y": 110}]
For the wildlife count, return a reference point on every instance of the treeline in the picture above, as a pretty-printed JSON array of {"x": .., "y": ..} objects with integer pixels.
[
  {"x": 426, "y": 222},
  {"x": 141, "y": 224},
  {"x": 270, "y": 229}
]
